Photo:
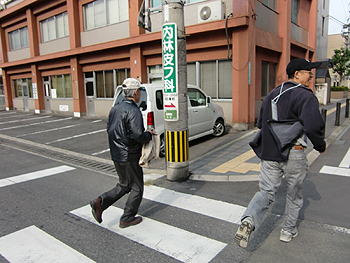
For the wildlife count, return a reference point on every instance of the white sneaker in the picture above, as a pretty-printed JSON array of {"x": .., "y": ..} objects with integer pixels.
[{"x": 287, "y": 236}]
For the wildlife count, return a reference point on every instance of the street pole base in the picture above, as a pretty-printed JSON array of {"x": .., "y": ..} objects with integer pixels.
[{"x": 177, "y": 171}]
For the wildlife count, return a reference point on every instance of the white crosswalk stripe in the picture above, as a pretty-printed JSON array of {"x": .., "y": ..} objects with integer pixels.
[
  {"x": 174, "y": 242},
  {"x": 34, "y": 175},
  {"x": 34, "y": 245}
]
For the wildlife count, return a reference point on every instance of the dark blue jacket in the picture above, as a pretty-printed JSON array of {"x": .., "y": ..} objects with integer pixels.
[
  {"x": 126, "y": 132},
  {"x": 298, "y": 104}
]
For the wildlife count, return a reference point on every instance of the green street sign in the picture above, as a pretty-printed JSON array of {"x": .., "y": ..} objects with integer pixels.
[{"x": 170, "y": 71}]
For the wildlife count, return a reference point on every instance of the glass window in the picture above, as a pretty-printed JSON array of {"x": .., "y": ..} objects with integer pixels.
[
  {"x": 191, "y": 73},
  {"x": 196, "y": 97},
  {"x": 270, "y": 3},
  {"x": 19, "y": 38},
  {"x": 99, "y": 84},
  {"x": 295, "y": 11},
  {"x": 156, "y": 3},
  {"x": 208, "y": 78},
  {"x": 67, "y": 86},
  {"x": 159, "y": 99},
  {"x": 63, "y": 85},
  {"x": 225, "y": 80},
  {"x": 105, "y": 12},
  {"x": 109, "y": 84},
  {"x": 54, "y": 27},
  {"x": 268, "y": 77},
  {"x": 22, "y": 87}
]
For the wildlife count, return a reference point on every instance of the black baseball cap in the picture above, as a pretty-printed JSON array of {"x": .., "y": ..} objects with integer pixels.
[{"x": 300, "y": 64}]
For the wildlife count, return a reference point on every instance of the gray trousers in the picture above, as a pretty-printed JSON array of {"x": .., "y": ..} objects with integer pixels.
[
  {"x": 130, "y": 181},
  {"x": 294, "y": 171}
]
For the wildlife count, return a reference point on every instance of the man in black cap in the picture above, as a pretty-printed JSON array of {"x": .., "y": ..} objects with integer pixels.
[
  {"x": 126, "y": 135},
  {"x": 289, "y": 113}
]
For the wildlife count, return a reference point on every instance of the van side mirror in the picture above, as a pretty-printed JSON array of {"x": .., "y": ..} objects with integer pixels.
[{"x": 208, "y": 100}]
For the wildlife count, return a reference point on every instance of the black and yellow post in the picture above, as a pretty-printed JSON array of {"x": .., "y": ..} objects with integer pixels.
[{"x": 177, "y": 146}]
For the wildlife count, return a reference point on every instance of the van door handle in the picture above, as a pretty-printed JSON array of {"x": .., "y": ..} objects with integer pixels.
[{"x": 195, "y": 110}]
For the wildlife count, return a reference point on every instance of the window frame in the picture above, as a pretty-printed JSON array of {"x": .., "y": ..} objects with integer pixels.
[
  {"x": 44, "y": 25},
  {"x": 19, "y": 43}
]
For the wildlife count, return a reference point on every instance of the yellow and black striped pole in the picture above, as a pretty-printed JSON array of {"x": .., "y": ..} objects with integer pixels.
[{"x": 177, "y": 146}]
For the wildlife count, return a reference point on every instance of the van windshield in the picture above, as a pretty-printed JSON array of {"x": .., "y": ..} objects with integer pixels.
[{"x": 142, "y": 104}]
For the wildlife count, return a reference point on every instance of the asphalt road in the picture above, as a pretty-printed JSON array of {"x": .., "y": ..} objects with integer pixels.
[{"x": 202, "y": 213}]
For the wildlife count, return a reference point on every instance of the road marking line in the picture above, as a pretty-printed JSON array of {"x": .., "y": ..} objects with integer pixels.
[
  {"x": 107, "y": 150},
  {"x": 174, "y": 242},
  {"x": 34, "y": 245},
  {"x": 76, "y": 136},
  {"x": 50, "y": 130},
  {"x": 34, "y": 175},
  {"x": 33, "y": 124},
  {"x": 346, "y": 160},
  {"x": 217, "y": 209},
  {"x": 335, "y": 170},
  {"x": 6, "y": 122}
]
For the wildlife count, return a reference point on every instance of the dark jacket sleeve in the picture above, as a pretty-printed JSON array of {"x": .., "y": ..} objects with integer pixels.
[
  {"x": 137, "y": 130},
  {"x": 313, "y": 123}
]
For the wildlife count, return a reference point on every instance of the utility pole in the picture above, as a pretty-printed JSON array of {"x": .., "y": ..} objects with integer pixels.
[{"x": 175, "y": 90}]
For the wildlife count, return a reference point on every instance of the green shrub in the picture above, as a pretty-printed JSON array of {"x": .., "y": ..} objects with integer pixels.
[{"x": 339, "y": 88}]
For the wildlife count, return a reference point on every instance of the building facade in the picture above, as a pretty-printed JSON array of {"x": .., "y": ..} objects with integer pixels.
[{"x": 67, "y": 56}]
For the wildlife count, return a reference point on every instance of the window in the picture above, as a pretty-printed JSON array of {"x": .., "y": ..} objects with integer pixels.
[
  {"x": 100, "y": 13},
  {"x": 19, "y": 38},
  {"x": 214, "y": 77},
  {"x": 61, "y": 86},
  {"x": 54, "y": 27},
  {"x": 196, "y": 98},
  {"x": 22, "y": 88},
  {"x": 268, "y": 77},
  {"x": 156, "y": 3},
  {"x": 270, "y": 3},
  {"x": 2, "y": 93},
  {"x": 295, "y": 11},
  {"x": 105, "y": 81}
]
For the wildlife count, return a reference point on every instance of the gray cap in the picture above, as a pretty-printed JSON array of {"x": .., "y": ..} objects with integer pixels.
[{"x": 131, "y": 83}]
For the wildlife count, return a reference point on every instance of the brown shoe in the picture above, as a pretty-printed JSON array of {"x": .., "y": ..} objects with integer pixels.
[
  {"x": 96, "y": 209},
  {"x": 137, "y": 220}
]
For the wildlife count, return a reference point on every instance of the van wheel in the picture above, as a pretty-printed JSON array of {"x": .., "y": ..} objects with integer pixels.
[
  {"x": 162, "y": 146},
  {"x": 219, "y": 128}
]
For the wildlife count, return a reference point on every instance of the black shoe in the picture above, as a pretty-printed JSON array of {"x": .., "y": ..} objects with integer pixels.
[
  {"x": 96, "y": 209},
  {"x": 137, "y": 220}
]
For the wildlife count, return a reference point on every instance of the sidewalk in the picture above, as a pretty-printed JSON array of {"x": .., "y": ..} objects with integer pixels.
[{"x": 236, "y": 161}]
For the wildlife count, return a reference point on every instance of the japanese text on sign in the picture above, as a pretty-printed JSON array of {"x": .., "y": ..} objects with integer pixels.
[{"x": 170, "y": 74}]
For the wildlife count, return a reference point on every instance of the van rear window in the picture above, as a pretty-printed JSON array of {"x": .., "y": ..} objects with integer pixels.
[{"x": 142, "y": 104}]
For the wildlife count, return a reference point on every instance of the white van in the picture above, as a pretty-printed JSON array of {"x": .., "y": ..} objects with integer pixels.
[{"x": 204, "y": 116}]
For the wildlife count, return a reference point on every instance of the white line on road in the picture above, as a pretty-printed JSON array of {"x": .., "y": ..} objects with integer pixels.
[
  {"x": 34, "y": 175},
  {"x": 346, "y": 160},
  {"x": 107, "y": 150},
  {"x": 6, "y": 122},
  {"x": 335, "y": 170},
  {"x": 174, "y": 242},
  {"x": 50, "y": 130},
  {"x": 34, "y": 245},
  {"x": 76, "y": 136},
  {"x": 33, "y": 124},
  {"x": 217, "y": 209}
]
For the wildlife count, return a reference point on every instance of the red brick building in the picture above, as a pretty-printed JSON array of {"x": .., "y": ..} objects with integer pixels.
[{"x": 67, "y": 56}]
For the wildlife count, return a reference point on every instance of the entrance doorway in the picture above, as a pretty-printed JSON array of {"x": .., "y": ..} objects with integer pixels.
[
  {"x": 47, "y": 93},
  {"x": 90, "y": 93}
]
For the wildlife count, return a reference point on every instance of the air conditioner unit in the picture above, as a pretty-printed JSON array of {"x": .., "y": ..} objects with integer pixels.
[{"x": 211, "y": 11}]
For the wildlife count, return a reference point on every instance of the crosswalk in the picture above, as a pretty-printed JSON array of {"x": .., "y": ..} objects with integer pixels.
[{"x": 32, "y": 244}]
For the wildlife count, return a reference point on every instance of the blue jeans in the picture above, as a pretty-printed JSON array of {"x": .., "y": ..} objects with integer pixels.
[{"x": 294, "y": 171}]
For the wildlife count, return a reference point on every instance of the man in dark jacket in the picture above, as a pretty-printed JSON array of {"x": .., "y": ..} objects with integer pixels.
[
  {"x": 126, "y": 135},
  {"x": 291, "y": 103}
]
